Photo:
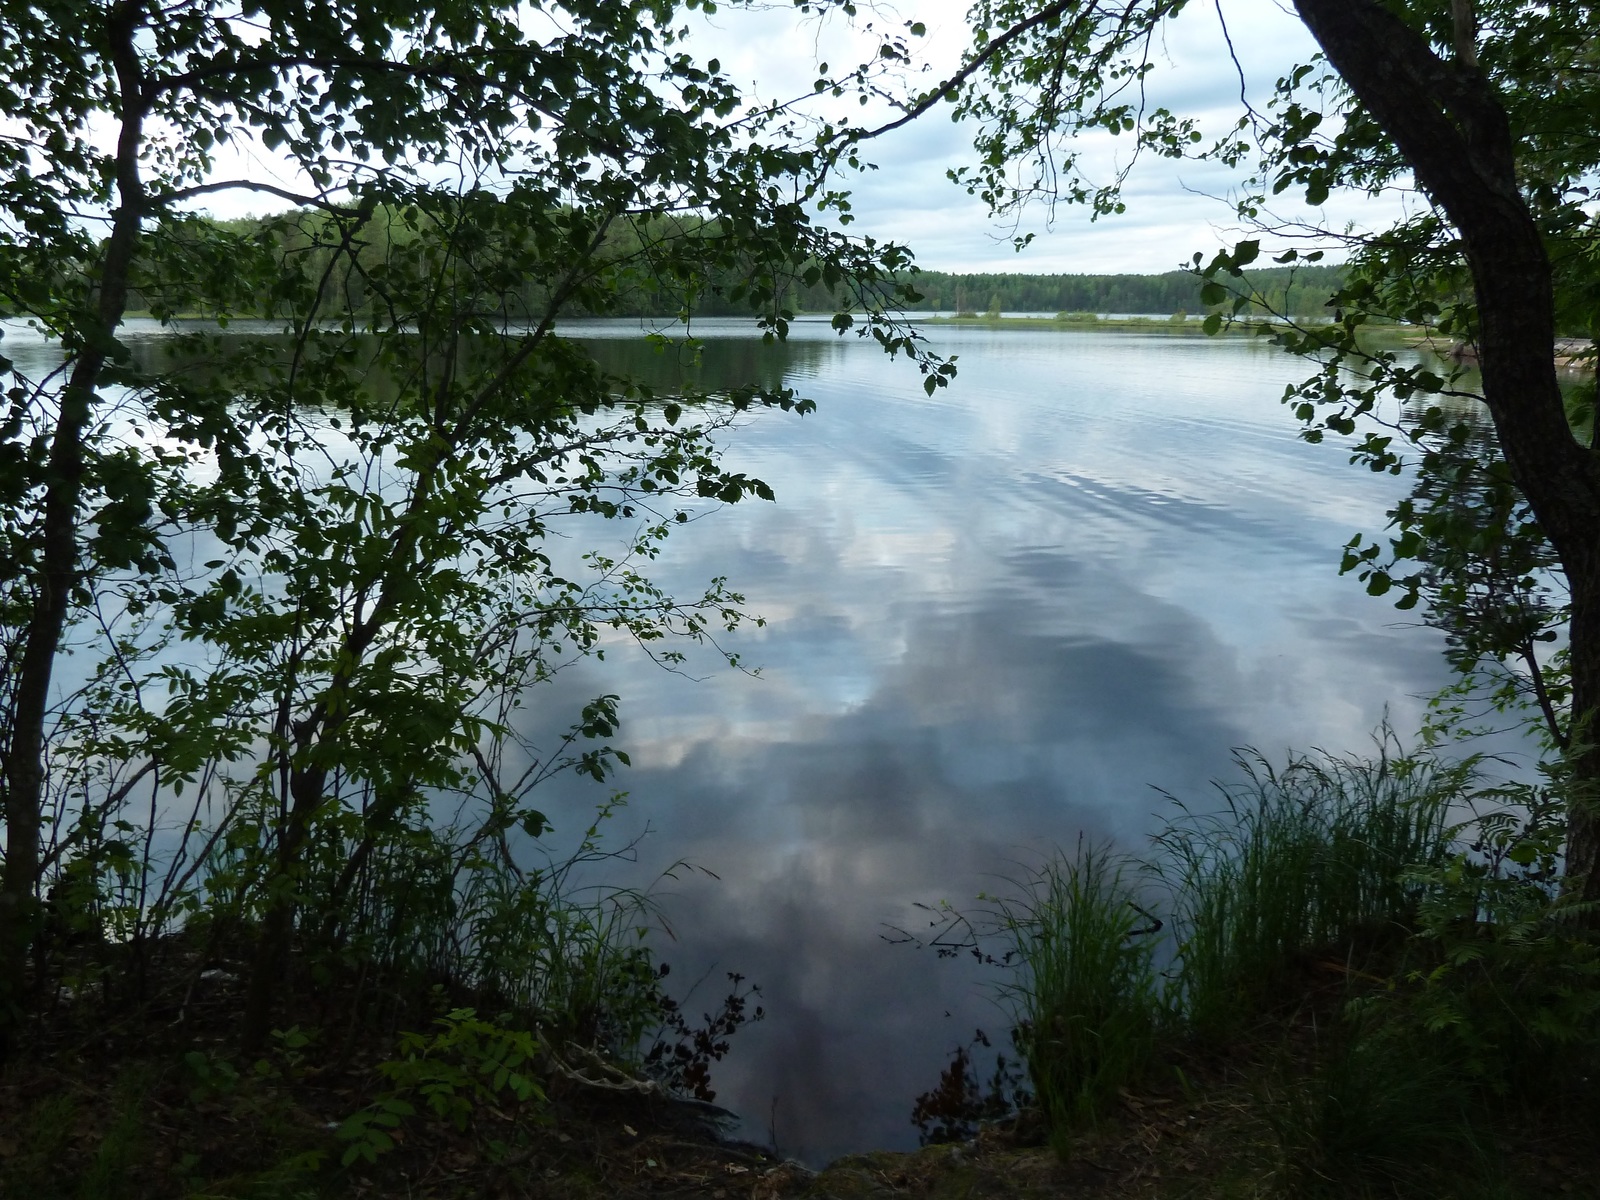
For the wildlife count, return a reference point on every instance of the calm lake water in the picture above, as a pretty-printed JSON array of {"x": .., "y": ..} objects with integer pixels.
[{"x": 998, "y": 619}]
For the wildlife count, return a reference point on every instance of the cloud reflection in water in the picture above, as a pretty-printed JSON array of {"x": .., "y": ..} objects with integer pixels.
[{"x": 997, "y": 619}]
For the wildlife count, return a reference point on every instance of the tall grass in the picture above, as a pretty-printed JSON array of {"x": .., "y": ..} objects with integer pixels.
[
  {"x": 1317, "y": 859},
  {"x": 445, "y": 904},
  {"x": 1087, "y": 996},
  {"x": 1379, "y": 1114},
  {"x": 1312, "y": 858},
  {"x": 423, "y": 914}
]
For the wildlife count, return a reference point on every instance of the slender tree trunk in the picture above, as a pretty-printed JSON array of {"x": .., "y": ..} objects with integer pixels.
[
  {"x": 1448, "y": 122},
  {"x": 277, "y": 928},
  {"x": 308, "y": 779},
  {"x": 59, "y": 568},
  {"x": 319, "y": 731}
]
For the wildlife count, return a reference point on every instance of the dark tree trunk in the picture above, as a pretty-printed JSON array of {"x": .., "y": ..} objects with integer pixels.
[
  {"x": 270, "y": 965},
  {"x": 1448, "y": 122},
  {"x": 313, "y": 736},
  {"x": 59, "y": 568}
]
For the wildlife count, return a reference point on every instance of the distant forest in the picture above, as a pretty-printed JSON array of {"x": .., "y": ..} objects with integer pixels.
[
  {"x": 345, "y": 261},
  {"x": 1301, "y": 291}
]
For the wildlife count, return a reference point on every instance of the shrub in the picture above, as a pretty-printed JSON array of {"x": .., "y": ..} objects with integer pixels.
[{"x": 1506, "y": 970}]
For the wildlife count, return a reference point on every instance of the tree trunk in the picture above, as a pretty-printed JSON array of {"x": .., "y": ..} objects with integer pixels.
[
  {"x": 1448, "y": 122},
  {"x": 60, "y": 570},
  {"x": 314, "y": 735},
  {"x": 271, "y": 961}
]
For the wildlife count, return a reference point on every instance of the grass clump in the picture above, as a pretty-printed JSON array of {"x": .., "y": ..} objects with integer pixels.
[
  {"x": 1305, "y": 860},
  {"x": 1375, "y": 952},
  {"x": 1089, "y": 1002}
]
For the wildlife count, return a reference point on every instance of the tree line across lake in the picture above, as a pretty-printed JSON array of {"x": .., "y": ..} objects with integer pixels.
[{"x": 1301, "y": 290}]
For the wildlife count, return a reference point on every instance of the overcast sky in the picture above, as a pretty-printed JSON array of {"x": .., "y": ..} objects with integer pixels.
[{"x": 1174, "y": 209}]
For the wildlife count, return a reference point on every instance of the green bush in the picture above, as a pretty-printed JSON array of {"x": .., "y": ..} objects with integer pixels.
[
  {"x": 1467, "y": 977},
  {"x": 1505, "y": 970},
  {"x": 466, "y": 1063}
]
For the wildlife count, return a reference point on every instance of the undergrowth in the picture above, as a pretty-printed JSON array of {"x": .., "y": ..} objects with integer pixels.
[
  {"x": 444, "y": 1008},
  {"x": 1380, "y": 944}
]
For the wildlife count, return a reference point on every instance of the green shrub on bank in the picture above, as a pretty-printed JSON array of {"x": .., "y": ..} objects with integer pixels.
[
  {"x": 444, "y": 971},
  {"x": 1505, "y": 969}
]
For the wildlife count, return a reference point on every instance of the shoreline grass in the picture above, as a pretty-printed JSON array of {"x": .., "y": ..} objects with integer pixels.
[
  {"x": 1336, "y": 917},
  {"x": 1090, "y": 1004}
]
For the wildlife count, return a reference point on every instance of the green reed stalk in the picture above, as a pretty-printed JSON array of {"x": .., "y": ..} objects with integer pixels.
[
  {"x": 1309, "y": 860},
  {"x": 1088, "y": 1000}
]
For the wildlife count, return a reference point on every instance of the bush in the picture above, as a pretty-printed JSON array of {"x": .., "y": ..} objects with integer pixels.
[{"x": 1505, "y": 970}]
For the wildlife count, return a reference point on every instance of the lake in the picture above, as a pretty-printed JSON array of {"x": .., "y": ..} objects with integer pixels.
[{"x": 997, "y": 620}]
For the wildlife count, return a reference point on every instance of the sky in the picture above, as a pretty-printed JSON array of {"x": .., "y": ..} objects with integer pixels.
[{"x": 1175, "y": 209}]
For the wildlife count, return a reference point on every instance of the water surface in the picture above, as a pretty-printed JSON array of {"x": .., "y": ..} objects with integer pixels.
[{"x": 997, "y": 619}]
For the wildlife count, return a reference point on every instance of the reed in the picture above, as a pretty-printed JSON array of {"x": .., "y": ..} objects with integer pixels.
[
  {"x": 1312, "y": 859},
  {"x": 1323, "y": 858},
  {"x": 1087, "y": 996}
]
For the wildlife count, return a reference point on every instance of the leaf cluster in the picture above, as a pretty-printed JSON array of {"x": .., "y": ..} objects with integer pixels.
[{"x": 317, "y": 565}]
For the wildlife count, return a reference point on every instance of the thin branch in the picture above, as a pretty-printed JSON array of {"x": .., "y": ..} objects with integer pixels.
[
  {"x": 1227, "y": 37},
  {"x": 955, "y": 81},
  {"x": 203, "y": 189},
  {"x": 1557, "y": 734}
]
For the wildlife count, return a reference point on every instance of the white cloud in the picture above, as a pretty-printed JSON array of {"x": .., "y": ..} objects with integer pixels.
[{"x": 1174, "y": 208}]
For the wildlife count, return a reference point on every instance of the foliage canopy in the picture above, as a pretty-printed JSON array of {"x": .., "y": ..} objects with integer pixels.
[{"x": 311, "y": 569}]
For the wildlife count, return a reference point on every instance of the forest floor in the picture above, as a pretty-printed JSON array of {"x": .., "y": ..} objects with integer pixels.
[{"x": 109, "y": 1102}]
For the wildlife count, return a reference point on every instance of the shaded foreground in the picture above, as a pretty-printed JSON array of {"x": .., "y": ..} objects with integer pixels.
[
  {"x": 1359, "y": 997},
  {"x": 154, "y": 1103},
  {"x": 122, "y": 1116}
]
